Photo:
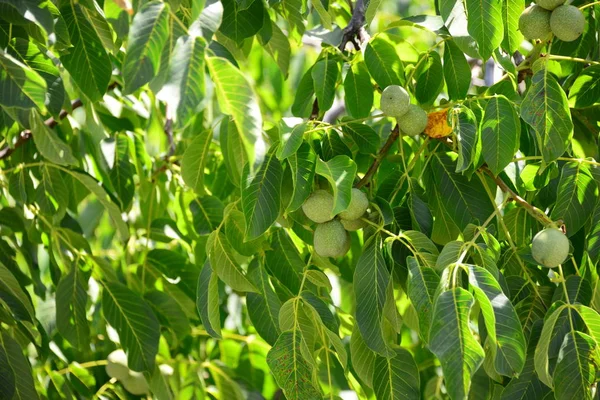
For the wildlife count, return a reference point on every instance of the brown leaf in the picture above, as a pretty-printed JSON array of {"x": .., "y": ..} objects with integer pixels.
[{"x": 437, "y": 124}]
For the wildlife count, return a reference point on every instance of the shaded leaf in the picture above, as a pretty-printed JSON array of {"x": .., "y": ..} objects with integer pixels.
[
  {"x": 340, "y": 172},
  {"x": 207, "y": 300}
]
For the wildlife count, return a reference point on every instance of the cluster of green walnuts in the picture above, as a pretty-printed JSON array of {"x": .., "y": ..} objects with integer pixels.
[
  {"x": 331, "y": 238},
  {"x": 547, "y": 17},
  {"x": 134, "y": 382},
  {"x": 395, "y": 102}
]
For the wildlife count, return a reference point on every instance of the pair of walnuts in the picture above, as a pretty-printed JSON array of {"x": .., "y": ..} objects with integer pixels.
[{"x": 547, "y": 17}]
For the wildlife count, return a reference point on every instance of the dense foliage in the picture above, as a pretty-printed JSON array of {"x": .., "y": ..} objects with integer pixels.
[{"x": 156, "y": 158}]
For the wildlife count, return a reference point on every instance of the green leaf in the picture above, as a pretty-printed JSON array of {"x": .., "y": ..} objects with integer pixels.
[
  {"x": 363, "y": 359},
  {"x": 71, "y": 308},
  {"x": 29, "y": 10},
  {"x": 502, "y": 323},
  {"x": 292, "y": 11},
  {"x": 452, "y": 341},
  {"x": 261, "y": 197},
  {"x": 48, "y": 143},
  {"x": 291, "y": 141},
  {"x": 264, "y": 307},
  {"x": 147, "y": 37},
  {"x": 278, "y": 47},
  {"x": 396, "y": 378},
  {"x": 485, "y": 24},
  {"x": 13, "y": 360},
  {"x": 457, "y": 71},
  {"x": 577, "y": 192},
  {"x": 325, "y": 73},
  {"x": 511, "y": 11},
  {"x": 303, "y": 100},
  {"x": 184, "y": 89},
  {"x": 576, "y": 367},
  {"x": 236, "y": 96},
  {"x": 236, "y": 150},
  {"x": 135, "y": 322},
  {"x": 302, "y": 165},
  {"x": 371, "y": 280},
  {"x": 545, "y": 108},
  {"x": 240, "y": 23},
  {"x": 225, "y": 265},
  {"x": 340, "y": 172},
  {"x": 366, "y": 139},
  {"x": 383, "y": 63},
  {"x": 169, "y": 312},
  {"x": 207, "y": 300},
  {"x": 291, "y": 370},
  {"x": 86, "y": 61},
  {"x": 113, "y": 210},
  {"x": 465, "y": 129},
  {"x": 20, "y": 86},
  {"x": 358, "y": 91},
  {"x": 121, "y": 173},
  {"x": 500, "y": 131},
  {"x": 28, "y": 53},
  {"x": 526, "y": 387},
  {"x": 421, "y": 286},
  {"x": 586, "y": 88},
  {"x": 430, "y": 78},
  {"x": 463, "y": 200},
  {"x": 284, "y": 262},
  {"x": 207, "y": 214},
  {"x": 14, "y": 296},
  {"x": 228, "y": 388},
  {"x": 455, "y": 19},
  {"x": 541, "y": 351}
]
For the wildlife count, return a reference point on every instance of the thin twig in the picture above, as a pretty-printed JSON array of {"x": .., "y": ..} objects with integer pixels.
[{"x": 380, "y": 156}]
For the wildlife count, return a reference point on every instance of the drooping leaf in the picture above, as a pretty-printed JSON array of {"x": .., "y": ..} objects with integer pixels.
[
  {"x": 500, "y": 131},
  {"x": 169, "y": 312},
  {"x": 511, "y": 11},
  {"x": 422, "y": 283},
  {"x": 86, "y": 61},
  {"x": 20, "y": 86},
  {"x": 302, "y": 163},
  {"x": 261, "y": 197},
  {"x": 577, "y": 192},
  {"x": 586, "y": 88},
  {"x": 147, "y": 37},
  {"x": 383, "y": 63},
  {"x": 465, "y": 129},
  {"x": 503, "y": 326},
  {"x": 541, "y": 351},
  {"x": 358, "y": 91},
  {"x": 452, "y": 341},
  {"x": 224, "y": 264},
  {"x": 371, "y": 280},
  {"x": 457, "y": 71},
  {"x": 71, "y": 301},
  {"x": 240, "y": 22},
  {"x": 340, "y": 172},
  {"x": 207, "y": 214},
  {"x": 364, "y": 136},
  {"x": 284, "y": 262},
  {"x": 325, "y": 73},
  {"x": 576, "y": 367},
  {"x": 545, "y": 108},
  {"x": 430, "y": 78},
  {"x": 236, "y": 96},
  {"x": 278, "y": 47},
  {"x": 14, "y": 296},
  {"x": 397, "y": 377},
  {"x": 135, "y": 322},
  {"x": 121, "y": 173},
  {"x": 184, "y": 88},
  {"x": 49, "y": 144},
  {"x": 292, "y": 371},
  {"x": 291, "y": 141},
  {"x": 21, "y": 385},
  {"x": 485, "y": 24},
  {"x": 264, "y": 307},
  {"x": 207, "y": 300}
]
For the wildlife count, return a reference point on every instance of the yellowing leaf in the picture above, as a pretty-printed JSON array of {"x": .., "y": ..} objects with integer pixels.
[{"x": 437, "y": 124}]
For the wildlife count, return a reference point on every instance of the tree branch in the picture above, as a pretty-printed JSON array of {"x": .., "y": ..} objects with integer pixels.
[
  {"x": 380, "y": 156},
  {"x": 355, "y": 29},
  {"x": 50, "y": 123}
]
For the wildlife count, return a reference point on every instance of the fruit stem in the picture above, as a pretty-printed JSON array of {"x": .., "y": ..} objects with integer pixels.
[
  {"x": 589, "y": 5},
  {"x": 86, "y": 365},
  {"x": 380, "y": 156},
  {"x": 574, "y": 59}
]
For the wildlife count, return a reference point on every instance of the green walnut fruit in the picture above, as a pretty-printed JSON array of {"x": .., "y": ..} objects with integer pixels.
[
  {"x": 116, "y": 366},
  {"x": 550, "y": 4},
  {"x": 319, "y": 206},
  {"x": 136, "y": 384},
  {"x": 414, "y": 121},
  {"x": 353, "y": 224},
  {"x": 567, "y": 23},
  {"x": 534, "y": 23},
  {"x": 331, "y": 239},
  {"x": 550, "y": 247},
  {"x": 357, "y": 207},
  {"x": 394, "y": 101}
]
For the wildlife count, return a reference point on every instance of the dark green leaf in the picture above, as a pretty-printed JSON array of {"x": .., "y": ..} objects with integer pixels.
[
  {"x": 14, "y": 296},
  {"x": 135, "y": 322},
  {"x": 340, "y": 172},
  {"x": 485, "y": 24},
  {"x": 207, "y": 300},
  {"x": 511, "y": 11},
  {"x": 222, "y": 261},
  {"x": 302, "y": 164},
  {"x": 430, "y": 78},
  {"x": 261, "y": 197},
  {"x": 20, "y": 85},
  {"x": 500, "y": 131},
  {"x": 396, "y": 378},
  {"x": 576, "y": 367},
  {"x": 325, "y": 73},
  {"x": 422, "y": 284},
  {"x": 121, "y": 173},
  {"x": 21, "y": 384},
  {"x": 240, "y": 23},
  {"x": 71, "y": 308},
  {"x": 207, "y": 213},
  {"x": 364, "y": 136},
  {"x": 358, "y": 91},
  {"x": 465, "y": 129},
  {"x": 586, "y": 88},
  {"x": 383, "y": 63},
  {"x": 290, "y": 141},
  {"x": 452, "y": 341},
  {"x": 263, "y": 307},
  {"x": 169, "y": 312}
]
